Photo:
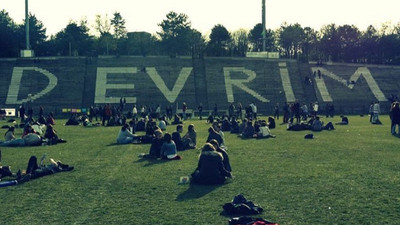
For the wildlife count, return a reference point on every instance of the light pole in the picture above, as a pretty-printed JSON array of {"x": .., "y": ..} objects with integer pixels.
[
  {"x": 263, "y": 25},
  {"x": 27, "y": 52},
  {"x": 27, "y": 25}
]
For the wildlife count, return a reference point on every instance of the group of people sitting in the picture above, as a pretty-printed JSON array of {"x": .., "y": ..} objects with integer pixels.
[
  {"x": 314, "y": 124},
  {"x": 34, "y": 134},
  {"x": 260, "y": 129},
  {"x": 166, "y": 146},
  {"x": 213, "y": 166}
]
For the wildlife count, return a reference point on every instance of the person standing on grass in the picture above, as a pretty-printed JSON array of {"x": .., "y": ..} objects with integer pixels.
[
  {"x": 371, "y": 111},
  {"x": 376, "y": 110},
  {"x": 276, "y": 111},
  {"x": 22, "y": 113},
  {"x": 134, "y": 112},
  {"x": 395, "y": 117},
  {"x": 184, "y": 108},
  {"x": 200, "y": 109},
  {"x": 239, "y": 111},
  {"x": 215, "y": 111}
]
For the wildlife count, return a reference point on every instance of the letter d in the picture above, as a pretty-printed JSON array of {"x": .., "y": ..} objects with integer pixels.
[{"x": 13, "y": 90}]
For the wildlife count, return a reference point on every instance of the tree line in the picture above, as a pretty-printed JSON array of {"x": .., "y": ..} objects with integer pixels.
[{"x": 176, "y": 37}]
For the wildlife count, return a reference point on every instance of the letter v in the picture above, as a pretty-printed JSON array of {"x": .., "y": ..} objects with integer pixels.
[{"x": 180, "y": 82}]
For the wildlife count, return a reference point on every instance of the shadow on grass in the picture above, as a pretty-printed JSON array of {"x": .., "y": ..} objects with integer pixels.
[
  {"x": 196, "y": 191},
  {"x": 150, "y": 161},
  {"x": 113, "y": 144}
]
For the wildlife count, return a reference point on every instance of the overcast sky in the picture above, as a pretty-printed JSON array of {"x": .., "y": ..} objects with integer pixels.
[{"x": 144, "y": 15}]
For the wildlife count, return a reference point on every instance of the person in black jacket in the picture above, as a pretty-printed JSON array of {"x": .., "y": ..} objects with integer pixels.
[
  {"x": 395, "y": 117},
  {"x": 227, "y": 164},
  {"x": 210, "y": 169}
]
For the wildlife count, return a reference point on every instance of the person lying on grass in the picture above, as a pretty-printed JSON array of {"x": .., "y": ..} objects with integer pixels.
[
  {"x": 34, "y": 170},
  {"x": 345, "y": 121},
  {"x": 210, "y": 169}
]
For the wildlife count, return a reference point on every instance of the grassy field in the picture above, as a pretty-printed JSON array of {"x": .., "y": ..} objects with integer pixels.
[{"x": 347, "y": 176}]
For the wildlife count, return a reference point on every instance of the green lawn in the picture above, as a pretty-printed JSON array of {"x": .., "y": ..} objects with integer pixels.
[{"x": 347, "y": 176}]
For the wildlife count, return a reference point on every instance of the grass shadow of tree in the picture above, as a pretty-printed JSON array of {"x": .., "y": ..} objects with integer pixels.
[
  {"x": 150, "y": 161},
  {"x": 196, "y": 191}
]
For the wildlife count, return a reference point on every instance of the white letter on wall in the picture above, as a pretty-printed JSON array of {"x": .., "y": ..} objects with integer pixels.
[
  {"x": 13, "y": 90},
  {"x": 361, "y": 71},
  {"x": 102, "y": 85},
  {"x": 240, "y": 83},
  {"x": 170, "y": 95}
]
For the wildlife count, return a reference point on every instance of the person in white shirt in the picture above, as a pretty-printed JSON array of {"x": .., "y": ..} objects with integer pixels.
[
  {"x": 161, "y": 124},
  {"x": 134, "y": 112},
  {"x": 264, "y": 132},
  {"x": 376, "y": 110},
  {"x": 125, "y": 136}
]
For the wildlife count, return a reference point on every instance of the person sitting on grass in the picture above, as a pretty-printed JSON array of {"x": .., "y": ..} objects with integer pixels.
[
  {"x": 9, "y": 135},
  {"x": 345, "y": 121},
  {"x": 155, "y": 148},
  {"x": 28, "y": 129},
  {"x": 141, "y": 125},
  {"x": 168, "y": 149},
  {"x": 213, "y": 134},
  {"x": 72, "y": 121},
  {"x": 242, "y": 125},
  {"x": 191, "y": 137},
  {"x": 271, "y": 123},
  {"x": 225, "y": 160},
  {"x": 234, "y": 126},
  {"x": 225, "y": 125},
  {"x": 50, "y": 119},
  {"x": 162, "y": 124},
  {"x": 151, "y": 126},
  {"x": 317, "y": 124},
  {"x": 41, "y": 120},
  {"x": 248, "y": 131},
  {"x": 217, "y": 129},
  {"x": 51, "y": 135},
  {"x": 181, "y": 144},
  {"x": 210, "y": 119},
  {"x": 210, "y": 169},
  {"x": 125, "y": 136},
  {"x": 177, "y": 119},
  {"x": 264, "y": 131}
]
